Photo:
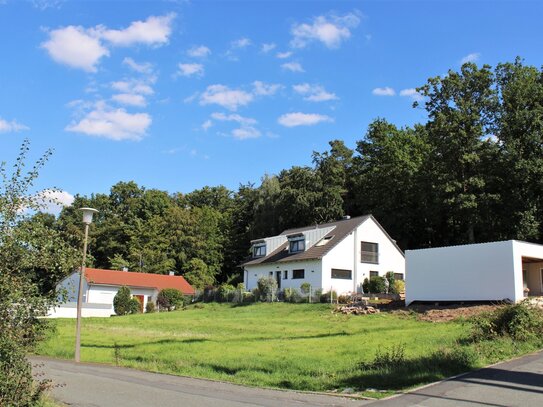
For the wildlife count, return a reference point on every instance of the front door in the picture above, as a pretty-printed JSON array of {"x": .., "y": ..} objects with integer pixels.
[
  {"x": 278, "y": 278},
  {"x": 140, "y": 298}
]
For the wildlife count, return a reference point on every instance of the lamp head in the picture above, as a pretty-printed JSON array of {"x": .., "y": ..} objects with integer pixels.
[{"x": 87, "y": 214}]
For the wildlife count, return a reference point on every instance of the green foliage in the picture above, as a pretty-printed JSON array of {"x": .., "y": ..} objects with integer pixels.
[
  {"x": 305, "y": 288},
  {"x": 389, "y": 358},
  {"x": 377, "y": 285},
  {"x": 170, "y": 299},
  {"x": 267, "y": 288},
  {"x": 150, "y": 307},
  {"x": 325, "y": 297},
  {"x": 366, "y": 285},
  {"x": 226, "y": 293},
  {"x": 134, "y": 306},
  {"x": 398, "y": 286},
  {"x": 389, "y": 276},
  {"x": 291, "y": 295},
  {"x": 520, "y": 321},
  {"x": 198, "y": 274},
  {"x": 122, "y": 302}
]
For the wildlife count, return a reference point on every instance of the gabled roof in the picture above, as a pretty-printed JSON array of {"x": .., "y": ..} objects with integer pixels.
[
  {"x": 341, "y": 229},
  {"x": 142, "y": 280}
]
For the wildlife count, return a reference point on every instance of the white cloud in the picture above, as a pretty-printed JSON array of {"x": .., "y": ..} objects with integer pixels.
[
  {"x": 265, "y": 89},
  {"x": 233, "y": 118},
  {"x": 283, "y": 55},
  {"x": 83, "y": 48},
  {"x": 75, "y": 47},
  {"x": 224, "y": 96},
  {"x": 134, "y": 86},
  {"x": 302, "y": 119},
  {"x": 52, "y": 201},
  {"x": 200, "y": 51},
  {"x": 11, "y": 127},
  {"x": 412, "y": 93},
  {"x": 207, "y": 124},
  {"x": 473, "y": 57},
  {"x": 386, "y": 91},
  {"x": 268, "y": 47},
  {"x": 114, "y": 124},
  {"x": 293, "y": 67},
  {"x": 130, "y": 99},
  {"x": 314, "y": 93},
  {"x": 156, "y": 30},
  {"x": 246, "y": 132},
  {"x": 329, "y": 30},
  {"x": 144, "y": 67},
  {"x": 191, "y": 69},
  {"x": 241, "y": 43}
]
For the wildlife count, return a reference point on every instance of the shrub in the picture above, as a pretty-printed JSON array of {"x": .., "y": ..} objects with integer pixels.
[
  {"x": 377, "y": 285},
  {"x": 305, "y": 288},
  {"x": 291, "y": 295},
  {"x": 226, "y": 293},
  {"x": 268, "y": 288},
  {"x": 248, "y": 297},
  {"x": 389, "y": 276},
  {"x": 390, "y": 358},
  {"x": 399, "y": 286},
  {"x": 170, "y": 298},
  {"x": 256, "y": 294},
  {"x": 366, "y": 286},
  {"x": 325, "y": 297},
  {"x": 150, "y": 307},
  {"x": 122, "y": 301},
  {"x": 519, "y": 321},
  {"x": 343, "y": 299},
  {"x": 134, "y": 306}
]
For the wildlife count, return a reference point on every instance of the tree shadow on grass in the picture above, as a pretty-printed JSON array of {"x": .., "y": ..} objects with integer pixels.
[{"x": 129, "y": 346}]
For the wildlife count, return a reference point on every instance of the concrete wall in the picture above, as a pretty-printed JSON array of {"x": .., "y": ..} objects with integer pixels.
[
  {"x": 478, "y": 272},
  {"x": 312, "y": 274},
  {"x": 69, "y": 310},
  {"x": 68, "y": 288}
]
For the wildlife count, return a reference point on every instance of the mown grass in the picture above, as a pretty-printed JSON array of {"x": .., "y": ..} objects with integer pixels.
[{"x": 292, "y": 346}]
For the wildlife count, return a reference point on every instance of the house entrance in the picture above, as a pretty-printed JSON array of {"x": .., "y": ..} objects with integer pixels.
[
  {"x": 532, "y": 275},
  {"x": 278, "y": 278},
  {"x": 140, "y": 298}
]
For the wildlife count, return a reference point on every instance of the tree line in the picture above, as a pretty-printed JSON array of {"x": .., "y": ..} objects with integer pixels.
[{"x": 473, "y": 172}]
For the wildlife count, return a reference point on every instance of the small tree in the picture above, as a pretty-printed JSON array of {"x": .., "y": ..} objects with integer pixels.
[
  {"x": 390, "y": 278},
  {"x": 305, "y": 288},
  {"x": 267, "y": 287},
  {"x": 135, "y": 305},
  {"x": 366, "y": 286},
  {"x": 198, "y": 274},
  {"x": 170, "y": 298},
  {"x": 377, "y": 285},
  {"x": 122, "y": 301}
]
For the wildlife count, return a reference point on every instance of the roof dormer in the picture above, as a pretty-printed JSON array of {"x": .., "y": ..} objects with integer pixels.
[{"x": 296, "y": 243}]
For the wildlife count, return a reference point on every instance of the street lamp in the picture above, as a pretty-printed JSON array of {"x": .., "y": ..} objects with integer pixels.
[{"x": 87, "y": 220}]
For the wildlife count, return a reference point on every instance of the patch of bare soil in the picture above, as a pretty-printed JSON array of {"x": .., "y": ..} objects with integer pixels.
[{"x": 446, "y": 313}]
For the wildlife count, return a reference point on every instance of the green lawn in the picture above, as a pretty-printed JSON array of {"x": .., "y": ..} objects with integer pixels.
[{"x": 294, "y": 346}]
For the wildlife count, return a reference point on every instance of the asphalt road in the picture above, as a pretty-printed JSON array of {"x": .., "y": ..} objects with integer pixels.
[{"x": 514, "y": 383}]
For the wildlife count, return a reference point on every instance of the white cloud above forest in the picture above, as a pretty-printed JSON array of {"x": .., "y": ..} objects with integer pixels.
[
  {"x": 386, "y": 91},
  {"x": 302, "y": 119},
  {"x": 314, "y": 93},
  {"x": 226, "y": 97},
  {"x": 330, "y": 30},
  {"x": 473, "y": 57},
  {"x": 11, "y": 126}
]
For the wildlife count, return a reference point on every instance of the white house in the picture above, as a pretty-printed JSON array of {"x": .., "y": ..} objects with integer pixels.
[
  {"x": 101, "y": 286},
  {"x": 494, "y": 271},
  {"x": 333, "y": 256}
]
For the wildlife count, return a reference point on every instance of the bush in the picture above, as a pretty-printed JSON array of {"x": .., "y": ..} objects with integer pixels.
[
  {"x": 256, "y": 294},
  {"x": 225, "y": 293},
  {"x": 248, "y": 297},
  {"x": 150, "y": 307},
  {"x": 389, "y": 276},
  {"x": 377, "y": 285},
  {"x": 135, "y": 306},
  {"x": 366, "y": 286},
  {"x": 122, "y": 301},
  {"x": 170, "y": 298},
  {"x": 305, "y": 288},
  {"x": 519, "y": 321},
  {"x": 398, "y": 287},
  {"x": 390, "y": 358},
  {"x": 291, "y": 295},
  {"x": 325, "y": 297},
  {"x": 267, "y": 287},
  {"x": 343, "y": 299}
]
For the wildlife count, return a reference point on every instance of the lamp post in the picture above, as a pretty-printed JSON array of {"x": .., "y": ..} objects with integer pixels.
[{"x": 87, "y": 220}]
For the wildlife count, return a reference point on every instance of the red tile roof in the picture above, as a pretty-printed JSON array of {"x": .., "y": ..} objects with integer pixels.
[{"x": 132, "y": 279}]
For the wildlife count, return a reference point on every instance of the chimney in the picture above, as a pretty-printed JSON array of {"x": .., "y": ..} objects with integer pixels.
[
  {"x": 172, "y": 273},
  {"x": 125, "y": 268}
]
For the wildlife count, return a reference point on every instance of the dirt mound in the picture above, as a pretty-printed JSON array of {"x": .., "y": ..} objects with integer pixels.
[{"x": 446, "y": 313}]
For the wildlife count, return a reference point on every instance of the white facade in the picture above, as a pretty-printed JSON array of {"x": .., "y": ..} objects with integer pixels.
[
  {"x": 345, "y": 255},
  {"x": 479, "y": 272}
]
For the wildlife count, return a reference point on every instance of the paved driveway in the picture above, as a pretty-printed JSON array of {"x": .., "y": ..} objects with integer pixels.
[{"x": 515, "y": 383}]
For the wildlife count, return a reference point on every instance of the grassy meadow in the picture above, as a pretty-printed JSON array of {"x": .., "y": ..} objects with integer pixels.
[{"x": 291, "y": 346}]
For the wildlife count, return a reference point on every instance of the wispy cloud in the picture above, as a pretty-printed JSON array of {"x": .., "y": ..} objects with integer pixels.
[
  {"x": 473, "y": 57},
  {"x": 11, "y": 126},
  {"x": 302, "y": 119},
  {"x": 241, "y": 43},
  {"x": 412, "y": 93},
  {"x": 222, "y": 95},
  {"x": 284, "y": 55},
  {"x": 114, "y": 124},
  {"x": 267, "y": 47},
  {"x": 130, "y": 99},
  {"x": 191, "y": 69},
  {"x": 52, "y": 200},
  {"x": 233, "y": 118},
  {"x": 199, "y": 51},
  {"x": 143, "y": 67},
  {"x": 246, "y": 132},
  {"x": 207, "y": 125},
  {"x": 293, "y": 67},
  {"x": 156, "y": 30},
  {"x": 387, "y": 91},
  {"x": 330, "y": 30},
  {"x": 265, "y": 89},
  {"x": 314, "y": 93}
]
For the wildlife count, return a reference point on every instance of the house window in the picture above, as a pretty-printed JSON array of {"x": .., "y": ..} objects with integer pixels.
[
  {"x": 374, "y": 274},
  {"x": 298, "y": 274},
  {"x": 297, "y": 245},
  {"x": 271, "y": 273},
  {"x": 259, "y": 250},
  {"x": 324, "y": 241},
  {"x": 398, "y": 276},
  {"x": 342, "y": 274},
  {"x": 369, "y": 252},
  {"x": 285, "y": 274}
]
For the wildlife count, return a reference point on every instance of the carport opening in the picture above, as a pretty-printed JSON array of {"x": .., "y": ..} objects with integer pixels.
[{"x": 532, "y": 276}]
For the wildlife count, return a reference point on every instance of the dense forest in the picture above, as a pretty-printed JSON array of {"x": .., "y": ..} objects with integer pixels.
[{"x": 472, "y": 173}]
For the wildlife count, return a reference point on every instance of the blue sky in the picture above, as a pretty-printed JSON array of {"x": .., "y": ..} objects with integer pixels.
[{"x": 179, "y": 95}]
